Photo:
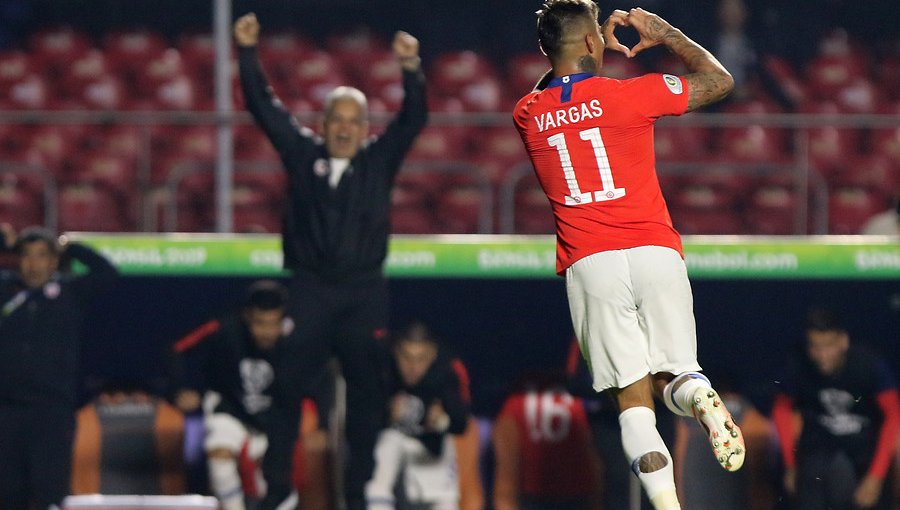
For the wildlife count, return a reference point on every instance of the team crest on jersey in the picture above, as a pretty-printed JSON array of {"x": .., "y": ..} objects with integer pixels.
[
  {"x": 52, "y": 290},
  {"x": 674, "y": 83},
  {"x": 321, "y": 168}
]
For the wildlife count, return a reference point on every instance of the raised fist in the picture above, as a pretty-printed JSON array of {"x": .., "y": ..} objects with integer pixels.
[
  {"x": 246, "y": 30},
  {"x": 406, "y": 48}
]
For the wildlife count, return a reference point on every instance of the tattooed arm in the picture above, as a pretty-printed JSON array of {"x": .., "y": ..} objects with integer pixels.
[{"x": 708, "y": 80}]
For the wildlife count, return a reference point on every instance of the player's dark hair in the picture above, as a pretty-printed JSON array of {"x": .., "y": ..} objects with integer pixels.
[
  {"x": 823, "y": 319},
  {"x": 266, "y": 295},
  {"x": 37, "y": 235},
  {"x": 416, "y": 331},
  {"x": 555, "y": 17}
]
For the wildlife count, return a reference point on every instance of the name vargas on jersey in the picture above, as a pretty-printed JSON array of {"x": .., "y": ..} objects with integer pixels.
[{"x": 570, "y": 115}]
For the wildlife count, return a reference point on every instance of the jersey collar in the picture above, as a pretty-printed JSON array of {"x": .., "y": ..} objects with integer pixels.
[
  {"x": 566, "y": 83},
  {"x": 569, "y": 79}
]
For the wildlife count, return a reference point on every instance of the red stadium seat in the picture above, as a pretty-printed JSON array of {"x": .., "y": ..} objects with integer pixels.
[
  {"x": 412, "y": 202},
  {"x": 871, "y": 171},
  {"x": 195, "y": 202},
  {"x": 533, "y": 214},
  {"x": 31, "y": 92},
  {"x": 111, "y": 171},
  {"x": 438, "y": 143},
  {"x": 51, "y": 146},
  {"x": 19, "y": 207},
  {"x": 250, "y": 143},
  {"x": 406, "y": 195},
  {"x": 199, "y": 56},
  {"x": 160, "y": 69},
  {"x": 254, "y": 210},
  {"x": 484, "y": 93},
  {"x": 14, "y": 67},
  {"x": 279, "y": 53},
  {"x": 412, "y": 220},
  {"x": 85, "y": 207},
  {"x": 130, "y": 50},
  {"x": 270, "y": 182},
  {"x": 178, "y": 93},
  {"x": 886, "y": 142},
  {"x": 463, "y": 204},
  {"x": 788, "y": 81},
  {"x": 125, "y": 140},
  {"x": 454, "y": 70},
  {"x": 681, "y": 143},
  {"x": 523, "y": 71},
  {"x": 417, "y": 181},
  {"x": 55, "y": 47},
  {"x": 773, "y": 206},
  {"x": 693, "y": 222},
  {"x": 13, "y": 138},
  {"x": 356, "y": 49},
  {"x": 849, "y": 207},
  {"x": 500, "y": 143},
  {"x": 860, "y": 95},
  {"x": 710, "y": 190},
  {"x": 830, "y": 147},
  {"x": 85, "y": 69},
  {"x": 753, "y": 143},
  {"x": 826, "y": 75},
  {"x": 312, "y": 69},
  {"x": 104, "y": 93},
  {"x": 381, "y": 77},
  {"x": 194, "y": 142},
  {"x": 889, "y": 76}
]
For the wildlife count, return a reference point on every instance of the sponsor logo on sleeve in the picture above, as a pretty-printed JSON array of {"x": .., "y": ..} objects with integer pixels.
[{"x": 673, "y": 83}]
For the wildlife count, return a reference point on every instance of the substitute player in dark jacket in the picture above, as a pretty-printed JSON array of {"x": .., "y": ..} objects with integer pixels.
[
  {"x": 237, "y": 364},
  {"x": 335, "y": 232},
  {"x": 40, "y": 326},
  {"x": 428, "y": 406},
  {"x": 848, "y": 400}
]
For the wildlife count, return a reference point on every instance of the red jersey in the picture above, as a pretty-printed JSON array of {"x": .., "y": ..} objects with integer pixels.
[
  {"x": 590, "y": 140},
  {"x": 554, "y": 443}
]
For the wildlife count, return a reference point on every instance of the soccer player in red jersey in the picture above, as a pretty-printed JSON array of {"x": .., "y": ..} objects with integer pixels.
[{"x": 590, "y": 140}]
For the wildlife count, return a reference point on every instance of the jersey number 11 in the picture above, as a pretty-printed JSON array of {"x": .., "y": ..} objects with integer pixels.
[{"x": 576, "y": 196}]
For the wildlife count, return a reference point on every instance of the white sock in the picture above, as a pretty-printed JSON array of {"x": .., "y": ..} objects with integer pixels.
[
  {"x": 640, "y": 439},
  {"x": 681, "y": 401},
  {"x": 226, "y": 483}
]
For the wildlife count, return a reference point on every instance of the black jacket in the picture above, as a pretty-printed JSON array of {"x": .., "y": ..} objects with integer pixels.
[
  {"x": 336, "y": 234},
  {"x": 220, "y": 356},
  {"x": 40, "y": 337},
  {"x": 442, "y": 382}
]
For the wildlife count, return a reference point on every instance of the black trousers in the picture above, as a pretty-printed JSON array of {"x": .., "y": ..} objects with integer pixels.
[
  {"x": 827, "y": 479},
  {"x": 35, "y": 455},
  {"x": 347, "y": 321}
]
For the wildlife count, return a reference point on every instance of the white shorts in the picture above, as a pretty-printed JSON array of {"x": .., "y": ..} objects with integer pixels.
[
  {"x": 225, "y": 432},
  {"x": 426, "y": 478},
  {"x": 633, "y": 315}
]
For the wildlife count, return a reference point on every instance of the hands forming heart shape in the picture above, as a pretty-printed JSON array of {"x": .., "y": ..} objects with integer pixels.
[{"x": 649, "y": 26}]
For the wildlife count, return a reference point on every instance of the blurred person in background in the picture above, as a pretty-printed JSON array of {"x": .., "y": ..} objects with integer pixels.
[
  {"x": 428, "y": 408},
  {"x": 335, "y": 234},
  {"x": 590, "y": 140},
  {"x": 235, "y": 370},
  {"x": 733, "y": 46},
  {"x": 849, "y": 420},
  {"x": 40, "y": 327},
  {"x": 544, "y": 455}
]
